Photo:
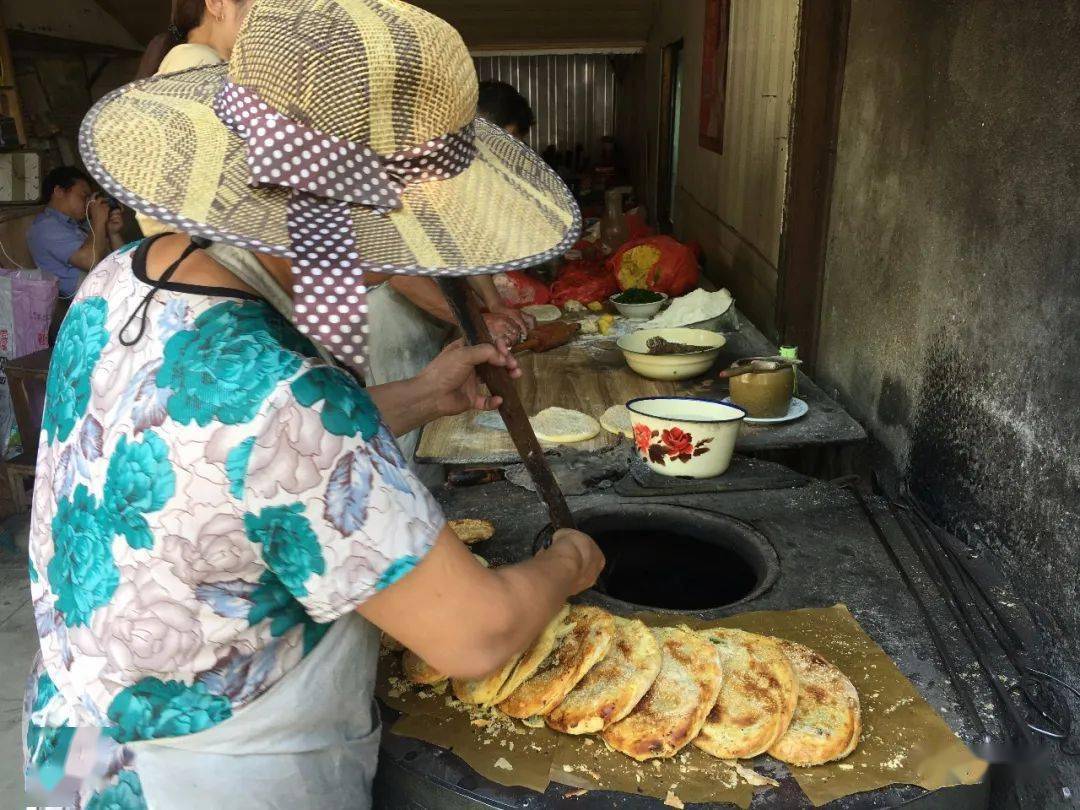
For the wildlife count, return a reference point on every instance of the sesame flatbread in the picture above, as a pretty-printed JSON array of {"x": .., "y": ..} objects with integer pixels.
[
  {"x": 576, "y": 653},
  {"x": 827, "y": 720},
  {"x": 418, "y": 671},
  {"x": 483, "y": 691},
  {"x": 757, "y": 700},
  {"x": 472, "y": 530},
  {"x": 613, "y": 687},
  {"x": 535, "y": 655},
  {"x": 674, "y": 709}
]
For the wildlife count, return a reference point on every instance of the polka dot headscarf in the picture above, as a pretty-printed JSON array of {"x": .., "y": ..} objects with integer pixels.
[{"x": 325, "y": 174}]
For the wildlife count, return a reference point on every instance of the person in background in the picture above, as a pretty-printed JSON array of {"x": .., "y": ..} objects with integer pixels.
[
  {"x": 202, "y": 32},
  {"x": 72, "y": 234},
  {"x": 501, "y": 104}
]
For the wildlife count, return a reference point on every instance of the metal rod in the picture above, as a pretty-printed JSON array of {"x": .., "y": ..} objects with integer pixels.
[
  {"x": 967, "y": 624},
  {"x": 965, "y": 579},
  {"x": 462, "y": 303},
  {"x": 908, "y": 501},
  {"x": 942, "y": 648}
]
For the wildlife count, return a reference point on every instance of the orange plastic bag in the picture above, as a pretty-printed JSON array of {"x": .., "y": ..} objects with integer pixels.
[{"x": 657, "y": 263}]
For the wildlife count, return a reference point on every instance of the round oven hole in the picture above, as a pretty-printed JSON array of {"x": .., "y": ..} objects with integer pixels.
[
  {"x": 677, "y": 559},
  {"x": 694, "y": 575}
]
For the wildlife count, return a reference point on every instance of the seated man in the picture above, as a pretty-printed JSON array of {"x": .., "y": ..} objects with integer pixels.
[{"x": 58, "y": 239}]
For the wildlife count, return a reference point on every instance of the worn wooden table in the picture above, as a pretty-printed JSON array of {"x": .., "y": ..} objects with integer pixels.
[{"x": 590, "y": 375}]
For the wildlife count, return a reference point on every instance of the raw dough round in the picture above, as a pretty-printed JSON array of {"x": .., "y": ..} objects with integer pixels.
[
  {"x": 616, "y": 419},
  {"x": 544, "y": 313},
  {"x": 563, "y": 426}
]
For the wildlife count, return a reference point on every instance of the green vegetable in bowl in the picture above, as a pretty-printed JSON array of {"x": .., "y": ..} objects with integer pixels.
[{"x": 638, "y": 296}]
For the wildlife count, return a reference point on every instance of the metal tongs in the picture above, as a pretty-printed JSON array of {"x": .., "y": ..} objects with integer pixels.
[
  {"x": 977, "y": 616},
  {"x": 1039, "y": 688}
]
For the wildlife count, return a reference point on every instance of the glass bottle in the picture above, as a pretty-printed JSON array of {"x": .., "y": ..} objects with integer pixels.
[{"x": 613, "y": 229}]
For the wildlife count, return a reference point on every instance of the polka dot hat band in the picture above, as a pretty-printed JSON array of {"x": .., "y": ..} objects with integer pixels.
[
  {"x": 323, "y": 172},
  {"x": 342, "y": 135}
]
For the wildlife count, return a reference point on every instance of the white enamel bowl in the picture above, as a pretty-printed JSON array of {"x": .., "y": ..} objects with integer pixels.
[
  {"x": 685, "y": 437},
  {"x": 671, "y": 366}
]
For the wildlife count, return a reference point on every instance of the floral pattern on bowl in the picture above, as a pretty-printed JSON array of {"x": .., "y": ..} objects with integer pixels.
[
  {"x": 686, "y": 437},
  {"x": 675, "y": 444}
]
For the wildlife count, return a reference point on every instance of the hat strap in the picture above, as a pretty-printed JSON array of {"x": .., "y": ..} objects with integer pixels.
[{"x": 327, "y": 175}]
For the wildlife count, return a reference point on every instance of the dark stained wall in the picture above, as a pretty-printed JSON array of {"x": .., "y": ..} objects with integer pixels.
[{"x": 951, "y": 316}]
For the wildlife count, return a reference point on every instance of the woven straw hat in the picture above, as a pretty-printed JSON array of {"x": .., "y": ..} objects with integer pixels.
[{"x": 342, "y": 135}]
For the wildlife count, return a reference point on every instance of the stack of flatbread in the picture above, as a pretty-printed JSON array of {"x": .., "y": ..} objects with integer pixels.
[{"x": 651, "y": 692}]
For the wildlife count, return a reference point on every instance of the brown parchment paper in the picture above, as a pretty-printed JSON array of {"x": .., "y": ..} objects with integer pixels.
[{"x": 904, "y": 741}]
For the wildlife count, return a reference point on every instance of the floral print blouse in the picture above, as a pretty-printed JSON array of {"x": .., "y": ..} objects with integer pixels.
[{"x": 209, "y": 497}]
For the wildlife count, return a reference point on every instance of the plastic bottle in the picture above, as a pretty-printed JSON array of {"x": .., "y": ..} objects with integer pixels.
[{"x": 613, "y": 229}]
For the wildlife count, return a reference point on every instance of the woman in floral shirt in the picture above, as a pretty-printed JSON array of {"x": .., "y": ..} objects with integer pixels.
[{"x": 221, "y": 519}]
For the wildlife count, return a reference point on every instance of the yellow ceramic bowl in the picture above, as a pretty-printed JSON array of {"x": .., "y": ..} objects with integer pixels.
[
  {"x": 685, "y": 437},
  {"x": 671, "y": 366}
]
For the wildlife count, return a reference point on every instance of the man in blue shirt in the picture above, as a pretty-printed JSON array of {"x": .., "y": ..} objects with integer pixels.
[{"x": 58, "y": 240}]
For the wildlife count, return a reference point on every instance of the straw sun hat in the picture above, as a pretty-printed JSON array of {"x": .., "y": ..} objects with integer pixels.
[{"x": 343, "y": 136}]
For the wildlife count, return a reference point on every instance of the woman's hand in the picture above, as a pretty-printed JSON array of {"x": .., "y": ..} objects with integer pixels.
[
  {"x": 505, "y": 329},
  {"x": 521, "y": 320},
  {"x": 465, "y": 620},
  {"x": 585, "y": 557},
  {"x": 450, "y": 380}
]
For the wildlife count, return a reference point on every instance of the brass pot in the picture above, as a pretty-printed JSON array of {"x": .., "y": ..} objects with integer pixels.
[{"x": 763, "y": 394}]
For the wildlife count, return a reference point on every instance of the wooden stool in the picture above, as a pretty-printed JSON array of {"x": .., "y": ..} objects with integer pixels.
[{"x": 31, "y": 367}]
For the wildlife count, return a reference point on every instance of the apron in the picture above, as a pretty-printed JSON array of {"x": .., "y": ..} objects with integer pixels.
[{"x": 312, "y": 740}]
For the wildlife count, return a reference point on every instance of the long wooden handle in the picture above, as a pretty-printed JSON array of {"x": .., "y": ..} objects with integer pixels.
[{"x": 465, "y": 309}]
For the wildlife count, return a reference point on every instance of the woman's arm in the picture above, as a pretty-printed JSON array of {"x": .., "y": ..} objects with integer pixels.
[
  {"x": 425, "y": 294},
  {"x": 448, "y": 385},
  {"x": 465, "y": 620},
  {"x": 484, "y": 286},
  {"x": 504, "y": 323}
]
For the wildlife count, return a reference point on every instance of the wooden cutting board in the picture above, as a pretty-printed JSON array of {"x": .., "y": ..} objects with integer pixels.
[{"x": 588, "y": 376}]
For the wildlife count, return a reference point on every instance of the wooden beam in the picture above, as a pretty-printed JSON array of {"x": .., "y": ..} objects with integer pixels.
[
  {"x": 9, "y": 91},
  {"x": 819, "y": 85}
]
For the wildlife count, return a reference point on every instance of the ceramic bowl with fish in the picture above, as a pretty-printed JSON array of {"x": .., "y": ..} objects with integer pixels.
[
  {"x": 685, "y": 437},
  {"x": 684, "y": 353}
]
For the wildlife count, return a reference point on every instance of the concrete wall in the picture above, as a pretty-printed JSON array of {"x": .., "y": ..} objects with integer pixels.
[
  {"x": 732, "y": 203},
  {"x": 951, "y": 317}
]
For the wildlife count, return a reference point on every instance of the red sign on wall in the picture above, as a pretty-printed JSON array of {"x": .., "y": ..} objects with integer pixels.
[{"x": 714, "y": 74}]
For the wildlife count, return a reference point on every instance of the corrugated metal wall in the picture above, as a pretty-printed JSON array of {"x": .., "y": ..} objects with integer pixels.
[{"x": 574, "y": 96}]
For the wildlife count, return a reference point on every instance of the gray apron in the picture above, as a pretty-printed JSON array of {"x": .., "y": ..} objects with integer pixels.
[{"x": 312, "y": 740}]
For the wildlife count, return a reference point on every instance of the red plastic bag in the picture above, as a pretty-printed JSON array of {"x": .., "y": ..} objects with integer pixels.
[
  {"x": 520, "y": 289},
  {"x": 583, "y": 281},
  {"x": 657, "y": 263},
  {"x": 637, "y": 226}
]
